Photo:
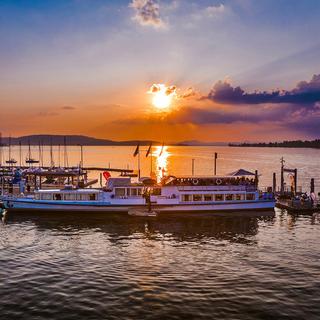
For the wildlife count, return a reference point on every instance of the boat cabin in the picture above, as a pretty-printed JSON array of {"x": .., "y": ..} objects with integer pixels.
[{"x": 68, "y": 195}]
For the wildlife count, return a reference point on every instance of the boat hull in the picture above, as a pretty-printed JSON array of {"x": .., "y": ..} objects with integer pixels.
[{"x": 33, "y": 205}]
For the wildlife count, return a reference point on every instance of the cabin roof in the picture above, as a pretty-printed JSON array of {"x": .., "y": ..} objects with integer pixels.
[
  {"x": 241, "y": 173},
  {"x": 68, "y": 191}
]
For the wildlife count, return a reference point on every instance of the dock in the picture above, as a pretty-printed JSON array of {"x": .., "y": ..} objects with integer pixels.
[{"x": 296, "y": 206}]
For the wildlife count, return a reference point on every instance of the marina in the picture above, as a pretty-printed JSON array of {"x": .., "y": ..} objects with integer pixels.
[
  {"x": 32, "y": 187},
  {"x": 69, "y": 189}
]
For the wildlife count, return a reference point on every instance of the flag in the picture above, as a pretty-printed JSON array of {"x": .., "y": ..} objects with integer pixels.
[
  {"x": 106, "y": 175},
  {"x": 161, "y": 150},
  {"x": 149, "y": 150},
  {"x": 137, "y": 150}
]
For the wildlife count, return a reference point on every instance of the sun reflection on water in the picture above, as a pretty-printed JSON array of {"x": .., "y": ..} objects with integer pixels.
[{"x": 162, "y": 154}]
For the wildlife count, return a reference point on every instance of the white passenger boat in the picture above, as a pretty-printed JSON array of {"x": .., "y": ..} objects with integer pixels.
[{"x": 174, "y": 194}]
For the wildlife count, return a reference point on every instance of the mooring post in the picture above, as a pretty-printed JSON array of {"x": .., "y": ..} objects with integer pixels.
[
  {"x": 215, "y": 163},
  {"x": 282, "y": 178},
  {"x": 274, "y": 182},
  {"x": 256, "y": 178},
  {"x": 312, "y": 185},
  {"x": 295, "y": 180}
]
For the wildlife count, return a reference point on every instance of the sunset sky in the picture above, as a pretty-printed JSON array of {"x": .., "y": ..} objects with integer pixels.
[{"x": 168, "y": 70}]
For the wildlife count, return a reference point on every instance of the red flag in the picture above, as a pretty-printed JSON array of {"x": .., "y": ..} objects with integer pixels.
[
  {"x": 106, "y": 175},
  {"x": 149, "y": 150},
  {"x": 136, "y": 151}
]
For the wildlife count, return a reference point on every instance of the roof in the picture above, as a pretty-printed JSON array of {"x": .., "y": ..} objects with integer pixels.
[
  {"x": 241, "y": 173},
  {"x": 68, "y": 191}
]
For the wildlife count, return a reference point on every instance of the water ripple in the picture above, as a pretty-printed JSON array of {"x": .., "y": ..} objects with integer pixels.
[{"x": 169, "y": 267}]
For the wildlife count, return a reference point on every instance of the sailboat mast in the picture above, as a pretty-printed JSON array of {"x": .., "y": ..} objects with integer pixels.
[
  {"x": 20, "y": 154},
  {"x": 9, "y": 148},
  {"x": 65, "y": 156},
  {"x": 0, "y": 149},
  {"x": 51, "y": 155},
  {"x": 151, "y": 162}
]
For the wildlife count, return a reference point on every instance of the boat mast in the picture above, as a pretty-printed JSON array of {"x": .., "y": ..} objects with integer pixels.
[
  {"x": 10, "y": 148},
  {"x": 81, "y": 156},
  {"x": 40, "y": 155},
  {"x": 59, "y": 156},
  {"x": 20, "y": 154},
  {"x": 51, "y": 155},
  {"x": 65, "y": 155},
  {"x": 0, "y": 149}
]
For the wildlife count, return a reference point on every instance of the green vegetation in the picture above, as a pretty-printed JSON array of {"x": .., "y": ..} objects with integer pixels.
[{"x": 284, "y": 144}]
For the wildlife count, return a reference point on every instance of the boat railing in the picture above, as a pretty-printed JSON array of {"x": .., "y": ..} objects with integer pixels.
[{"x": 217, "y": 188}]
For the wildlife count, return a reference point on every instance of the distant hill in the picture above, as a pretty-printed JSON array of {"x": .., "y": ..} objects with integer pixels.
[
  {"x": 284, "y": 144},
  {"x": 200, "y": 143},
  {"x": 70, "y": 140},
  {"x": 47, "y": 139}
]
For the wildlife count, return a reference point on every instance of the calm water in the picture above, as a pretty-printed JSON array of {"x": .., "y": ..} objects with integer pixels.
[{"x": 171, "y": 267}]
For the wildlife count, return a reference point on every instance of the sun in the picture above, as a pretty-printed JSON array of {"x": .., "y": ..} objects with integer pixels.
[
  {"x": 161, "y": 100},
  {"x": 162, "y": 95}
]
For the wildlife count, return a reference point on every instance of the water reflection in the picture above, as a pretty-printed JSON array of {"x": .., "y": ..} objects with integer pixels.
[
  {"x": 162, "y": 155},
  {"x": 186, "y": 228}
]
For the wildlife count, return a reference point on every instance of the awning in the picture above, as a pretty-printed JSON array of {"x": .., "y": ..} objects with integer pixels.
[{"x": 241, "y": 173}]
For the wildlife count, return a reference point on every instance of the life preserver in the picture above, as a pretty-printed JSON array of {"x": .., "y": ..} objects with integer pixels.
[
  {"x": 218, "y": 182},
  {"x": 195, "y": 182}
]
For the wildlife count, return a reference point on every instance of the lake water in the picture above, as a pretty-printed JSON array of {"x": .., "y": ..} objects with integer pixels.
[{"x": 170, "y": 267}]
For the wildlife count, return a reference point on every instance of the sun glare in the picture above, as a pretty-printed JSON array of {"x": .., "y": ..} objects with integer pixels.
[
  {"x": 162, "y": 95},
  {"x": 161, "y": 100}
]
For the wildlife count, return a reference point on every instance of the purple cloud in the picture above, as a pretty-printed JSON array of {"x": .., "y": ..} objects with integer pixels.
[{"x": 304, "y": 93}]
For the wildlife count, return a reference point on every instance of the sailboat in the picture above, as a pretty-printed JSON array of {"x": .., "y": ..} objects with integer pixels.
[
  {"x": 31, "y": 160},
  {"x": 11, "y": 160}
]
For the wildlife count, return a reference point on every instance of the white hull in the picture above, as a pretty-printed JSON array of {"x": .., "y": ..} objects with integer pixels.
[{"x": 34, "y": 205}]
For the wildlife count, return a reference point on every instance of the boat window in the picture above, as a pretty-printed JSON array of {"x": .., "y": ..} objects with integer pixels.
[
  {"x": 250, "y": 196},
  {"x": 46, "y": 196},
  {"x": 229, "y": 197},
  {"x": 69, "y": 196},
  {"x": 82, "y": 197},
  {"x": 120, "y": 192},
  {"x": 156, "y": 191},
  {"x": 57, "y": 196},
  {"x": 186, "y": 197},
  {"x": 207, "y": 197},
  {"x": 219, "y": 197},
  {"x": 37, "y": 196},
  {"x": 197, "y": 197},
  {"x": 139, "y": 190},
  {"x": 134, "y": 192},
  {"x": 238, "y": 197},
  {"x": 92, "y": 196}
]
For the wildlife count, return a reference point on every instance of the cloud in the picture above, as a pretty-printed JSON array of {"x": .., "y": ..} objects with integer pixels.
[
  {"x": 68, "y": 108},
  {"x": 147, "y": 13},
  {"x": 173, "y": 91},
  {"x": 304, "y": 93},
  {"x": 210, "y": 12},
  {"x": 213, "y": 11},
  {"x": 190, "y": 92}
]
